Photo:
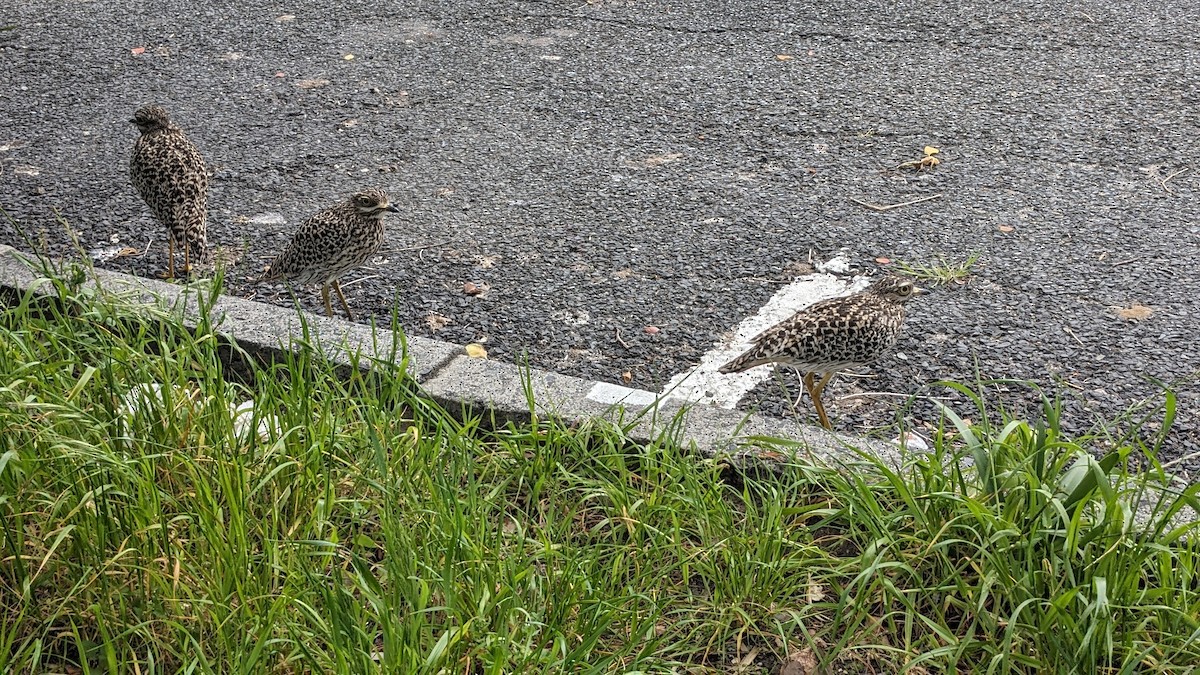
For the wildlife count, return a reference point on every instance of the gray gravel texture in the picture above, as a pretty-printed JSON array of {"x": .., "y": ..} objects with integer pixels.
[{"x": 609, "y": 165}]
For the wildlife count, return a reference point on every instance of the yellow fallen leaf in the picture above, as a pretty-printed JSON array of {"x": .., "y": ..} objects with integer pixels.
[
  {"x": 348, "y": 57},
  {"x": 930, "y": 150},
  {"x": 476, "y": 351},
  {"x": 783, "y": 57}
]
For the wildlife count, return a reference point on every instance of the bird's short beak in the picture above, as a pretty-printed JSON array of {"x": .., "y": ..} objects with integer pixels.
[
  {"x": 392, "y": 208},
  {"x": 919, "y": 291},
  {"x": 132, "y": 120}
]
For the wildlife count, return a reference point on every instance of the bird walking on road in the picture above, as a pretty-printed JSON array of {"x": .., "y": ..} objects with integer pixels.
[
  {"x": 332, "y": 242},
  {"x": 169, "y": 173},
  {"x": 832, "y": 335}
]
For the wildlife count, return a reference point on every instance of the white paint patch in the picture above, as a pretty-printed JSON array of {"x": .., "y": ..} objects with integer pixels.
[
  {"x": 703, "y": 384},
  {"x": 269, "y": 218},
  {"x": 839, "y": 264},
  {"x": 610, "y": 394}
]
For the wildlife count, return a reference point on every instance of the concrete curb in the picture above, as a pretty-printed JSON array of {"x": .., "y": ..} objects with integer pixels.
[{"x": 469, "y": 385}]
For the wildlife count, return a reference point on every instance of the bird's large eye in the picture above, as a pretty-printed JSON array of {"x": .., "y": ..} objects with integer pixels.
[{"x": 364, "y": 201}]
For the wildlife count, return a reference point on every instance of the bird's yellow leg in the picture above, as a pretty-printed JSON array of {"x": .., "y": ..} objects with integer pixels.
[
  {"x": 820, "y": 388},
  {"x": 345, "y": 305},
  {"x": 815, "y": 395},
  {"x": 325, "y": 297},
  {"x": 187, "y": 259},
  {"x": 170, "y": 259}
]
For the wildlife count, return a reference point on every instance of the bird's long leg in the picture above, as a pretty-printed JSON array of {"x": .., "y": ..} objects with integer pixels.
[
  {"x": 345, "y": 305},
  {"x": 187, "y": 258},
  {"x": 325, "y": 297},
  {"x": 820, "y": 388},
  {"x": 815, "y": 395},
  {"x": 170, "y": 257}
]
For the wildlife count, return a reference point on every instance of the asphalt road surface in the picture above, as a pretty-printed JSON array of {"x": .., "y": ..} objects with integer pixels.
[{"x": 600, "y": 167}]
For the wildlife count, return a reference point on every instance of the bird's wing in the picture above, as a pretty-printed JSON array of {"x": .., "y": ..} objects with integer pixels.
[
  {"x": 816, "y": 314},
  {"x": 793, "y": 335},
  {"x": 309, "y": 235},
  {"x": 179, "y": 200},
  {"x": 317, "y": 227}
]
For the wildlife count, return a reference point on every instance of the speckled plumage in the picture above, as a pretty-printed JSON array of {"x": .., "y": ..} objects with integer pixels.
[
  {"x": 833, "y": 335},
  {"x": 332, "y": 242},
  {"x": 169, "y": 173}
]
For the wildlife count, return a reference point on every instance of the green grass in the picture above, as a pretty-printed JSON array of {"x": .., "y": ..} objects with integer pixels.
[
  {"x": 942, "y": 271},
  {"x": 368, "y": 530}
]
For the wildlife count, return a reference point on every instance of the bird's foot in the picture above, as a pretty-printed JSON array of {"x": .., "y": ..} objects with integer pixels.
[{"x": 183, "y": 272}]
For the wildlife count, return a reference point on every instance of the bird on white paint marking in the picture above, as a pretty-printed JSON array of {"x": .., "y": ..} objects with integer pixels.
[{"x": 832, "y": 335}]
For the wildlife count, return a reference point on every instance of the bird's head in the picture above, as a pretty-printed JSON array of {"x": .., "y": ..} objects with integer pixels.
[
  {"x": 895, "y": 289},
  {"x": 151, "y": 118},
  {"x": 372, "y": 203}
]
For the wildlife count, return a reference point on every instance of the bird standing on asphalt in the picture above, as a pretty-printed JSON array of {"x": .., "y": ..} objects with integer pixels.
[
  {"x": 832, "y": 335},
  {"x": 169, "y": 173},
  {"x": 333, "y": 242}
]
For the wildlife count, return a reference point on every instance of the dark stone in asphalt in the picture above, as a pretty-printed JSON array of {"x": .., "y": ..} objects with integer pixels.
[{"x": 613, "y": 165}]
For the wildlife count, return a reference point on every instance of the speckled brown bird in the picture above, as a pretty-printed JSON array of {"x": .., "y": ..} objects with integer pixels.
[
  {"x": 333, "y": 242},
  {"x": 169, "y": 173},
  {"x": 833, "y": 335}
]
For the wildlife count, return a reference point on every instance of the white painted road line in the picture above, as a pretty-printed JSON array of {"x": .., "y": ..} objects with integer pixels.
[
  {"x": 703, "y": 384},
  {"x": 611, "y": 394}
]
